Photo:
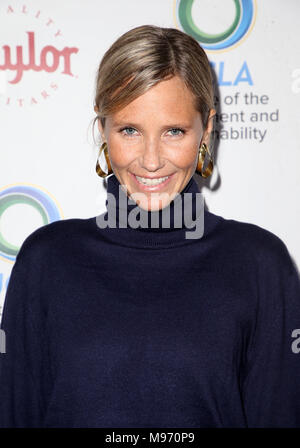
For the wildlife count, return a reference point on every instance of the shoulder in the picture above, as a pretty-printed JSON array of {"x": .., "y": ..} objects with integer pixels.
[
  {"x": 57, "y": 234},
  {"x": 253, "y": 242}
]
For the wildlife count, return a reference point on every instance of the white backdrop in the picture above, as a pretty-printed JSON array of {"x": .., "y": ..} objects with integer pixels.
[{"x": 49, "y": 54}]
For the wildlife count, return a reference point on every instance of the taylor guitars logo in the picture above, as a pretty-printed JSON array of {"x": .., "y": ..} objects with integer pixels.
[
  {"x": 19, "y": 67},
  {"x": 29, "y": 69}
]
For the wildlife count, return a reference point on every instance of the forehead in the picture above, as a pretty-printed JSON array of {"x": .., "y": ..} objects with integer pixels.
[{"x": 168, "y": 97}]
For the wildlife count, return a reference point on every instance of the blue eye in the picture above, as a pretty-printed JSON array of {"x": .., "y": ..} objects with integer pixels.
[
  {"x": 125, "y": 129},
  {"x": 177, "y": 129}
]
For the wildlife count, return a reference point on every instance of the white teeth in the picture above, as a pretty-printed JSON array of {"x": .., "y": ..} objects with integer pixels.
[{"x": 145, "y": 181}]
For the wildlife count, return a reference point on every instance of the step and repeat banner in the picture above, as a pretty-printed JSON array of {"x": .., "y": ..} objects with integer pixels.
[{"x": 49, "y": 55}]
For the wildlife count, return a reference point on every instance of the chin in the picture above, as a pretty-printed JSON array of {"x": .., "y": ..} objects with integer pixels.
[{"x": 157, "y": 206}]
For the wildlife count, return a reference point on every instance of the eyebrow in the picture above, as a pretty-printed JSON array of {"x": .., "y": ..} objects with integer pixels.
[{"x": 121, "y": 123}]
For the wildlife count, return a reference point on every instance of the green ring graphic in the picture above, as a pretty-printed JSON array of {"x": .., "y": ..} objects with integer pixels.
[
  {"x": 185, "y": 15},
  {"x": 8, "y": 201}
]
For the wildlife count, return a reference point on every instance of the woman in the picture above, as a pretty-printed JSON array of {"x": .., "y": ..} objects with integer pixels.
[{"x": 132, "y": 325}]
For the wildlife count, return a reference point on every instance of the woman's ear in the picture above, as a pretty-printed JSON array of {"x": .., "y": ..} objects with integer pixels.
[
  {"x": 209, "y": 127},
  {"x": 101, "y": 130}
]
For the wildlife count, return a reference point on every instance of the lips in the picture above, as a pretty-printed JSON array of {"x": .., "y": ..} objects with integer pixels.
[
  {"x": 151, "y": 184},
  {"x": 151, "y": 181}
]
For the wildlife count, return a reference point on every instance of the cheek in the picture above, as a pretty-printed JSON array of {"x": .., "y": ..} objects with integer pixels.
[
  {"x": 184, "y": 157},
  {"x": 118, "y": 154}
]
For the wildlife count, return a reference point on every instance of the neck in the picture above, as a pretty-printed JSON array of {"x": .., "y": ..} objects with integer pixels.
[{"x": 180, "y": 222}]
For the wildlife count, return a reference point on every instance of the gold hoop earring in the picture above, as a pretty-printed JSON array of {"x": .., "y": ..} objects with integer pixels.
[
  {"x": 201, "y": 157},
  {"x": 99, "y": 170}
]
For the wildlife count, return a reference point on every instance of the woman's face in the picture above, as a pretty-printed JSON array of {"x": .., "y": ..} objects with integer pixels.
[{"x": 157, "y": 136}]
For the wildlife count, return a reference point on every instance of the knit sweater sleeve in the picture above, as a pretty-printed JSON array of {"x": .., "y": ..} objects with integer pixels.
[
  {"x": 271, "y": 387},
  {"x": 22, "y": 364}
]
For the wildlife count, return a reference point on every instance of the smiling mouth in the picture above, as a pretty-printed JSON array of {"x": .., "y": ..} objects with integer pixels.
[{"x": 151, "y": 182}]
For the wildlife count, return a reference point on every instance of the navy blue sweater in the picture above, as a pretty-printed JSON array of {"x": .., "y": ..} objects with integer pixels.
[{"x": 131, "y": 327}]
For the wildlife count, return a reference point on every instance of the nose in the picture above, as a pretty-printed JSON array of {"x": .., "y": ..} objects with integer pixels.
[{"x": 151, "y": 159}]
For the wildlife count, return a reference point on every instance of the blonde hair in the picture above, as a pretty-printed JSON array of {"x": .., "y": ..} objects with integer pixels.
[{"x": 142, "y": 57}]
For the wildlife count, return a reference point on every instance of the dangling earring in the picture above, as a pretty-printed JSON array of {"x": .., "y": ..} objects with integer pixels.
[
  {"x": 201, "y": 157},
  {"x": 99, "y": 170}
]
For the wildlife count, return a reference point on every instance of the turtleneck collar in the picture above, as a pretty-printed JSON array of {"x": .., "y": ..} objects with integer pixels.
[{"x": 180, "y": 222}]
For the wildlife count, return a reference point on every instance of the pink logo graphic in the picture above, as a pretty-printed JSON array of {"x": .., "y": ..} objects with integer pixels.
[
  {"x": 31, "y": 42},
  {"x": 20, "y": 67}
]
